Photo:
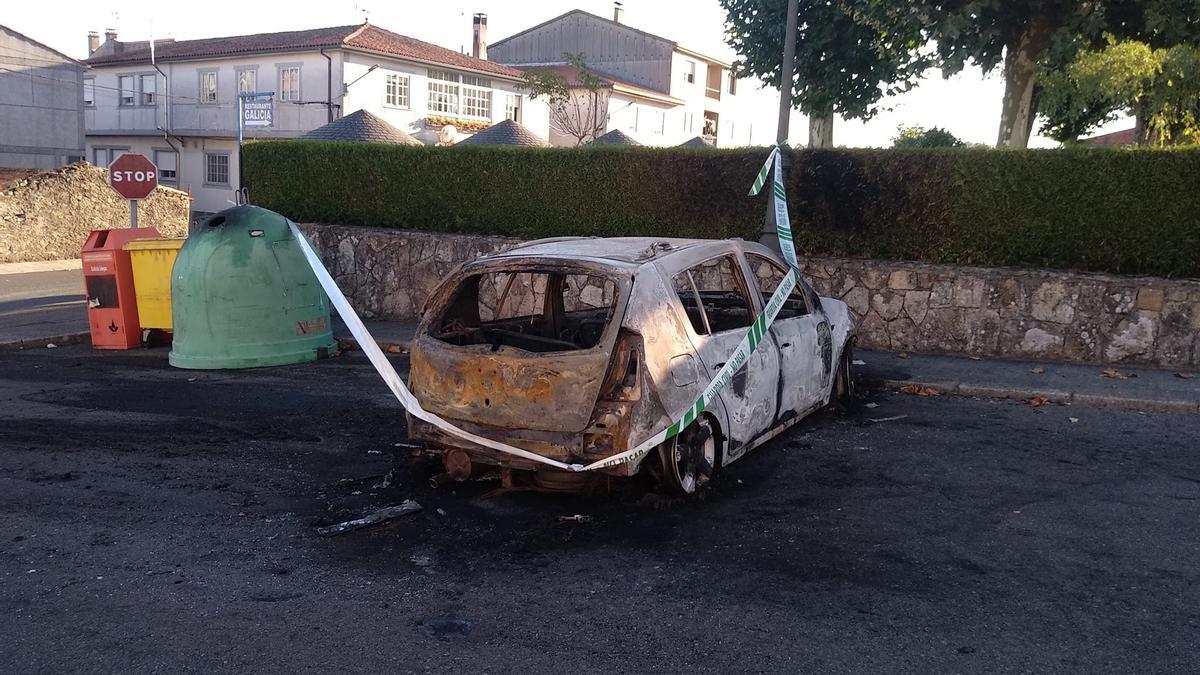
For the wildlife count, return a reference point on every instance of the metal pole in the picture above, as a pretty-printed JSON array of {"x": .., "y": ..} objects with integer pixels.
[
  {"x": 132, "y": 213},
  {"x": 241, "y": 120},
  {"x": 787, "y": 69},
  {"x": 788, "y": 72}
]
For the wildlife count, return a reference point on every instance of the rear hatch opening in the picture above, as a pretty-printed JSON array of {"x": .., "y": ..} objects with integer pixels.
[
  {"x": 536, "y": 311},
  {"x": 522, "y": 345}
]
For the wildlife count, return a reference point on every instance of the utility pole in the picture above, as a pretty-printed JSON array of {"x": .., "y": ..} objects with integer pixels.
[{"x": 769, "y": 236}]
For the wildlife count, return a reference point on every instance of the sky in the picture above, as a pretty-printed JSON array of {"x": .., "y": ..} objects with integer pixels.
[{"x": 968, "y": 104}]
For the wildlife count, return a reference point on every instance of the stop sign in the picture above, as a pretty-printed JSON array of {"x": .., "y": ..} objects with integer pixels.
[{"x": 133, "y": 176}]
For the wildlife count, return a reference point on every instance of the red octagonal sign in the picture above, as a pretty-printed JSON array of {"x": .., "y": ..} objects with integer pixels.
[{"x": 133, "y": 176}]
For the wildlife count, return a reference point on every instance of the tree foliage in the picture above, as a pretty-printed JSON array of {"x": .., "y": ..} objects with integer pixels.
[
  {"x": 1159, "y": 88},
  {"x": 920, "y": 137},
  {"x": 843, "y": 64},
  {"x": 579, "y": 105},
  {"x": 1020, "y": 35}
]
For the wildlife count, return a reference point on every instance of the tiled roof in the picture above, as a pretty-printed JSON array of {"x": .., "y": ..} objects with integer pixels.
[
  {"x": 1123, "y": 137},
  {"x": 365, "y": 36},
  {"x": 697, "y": 142},
  {"x": 614, "y": 137},
  {"x": 362, "y": 127},
  {"x": 507, "y": 132}
]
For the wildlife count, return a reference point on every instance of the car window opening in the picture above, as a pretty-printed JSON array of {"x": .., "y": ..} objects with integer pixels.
[
  {"x": 543, "y": 311},
  {"x": 714, "y": 297},
  {"x": 769, "y": 275}
]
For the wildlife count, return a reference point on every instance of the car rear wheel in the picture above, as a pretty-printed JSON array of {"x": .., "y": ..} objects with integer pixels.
[{"x": 690, "y": 459}]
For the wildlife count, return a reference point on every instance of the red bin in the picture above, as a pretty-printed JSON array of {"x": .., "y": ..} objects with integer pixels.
[{"x": 108, "y": 282}]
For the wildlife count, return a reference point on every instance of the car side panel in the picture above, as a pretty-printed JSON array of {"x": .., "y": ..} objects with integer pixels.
[{"x": 674, "y": 367}]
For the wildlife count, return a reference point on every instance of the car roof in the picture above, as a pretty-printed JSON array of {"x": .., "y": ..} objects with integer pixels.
[{"x": 626, "y": 251}]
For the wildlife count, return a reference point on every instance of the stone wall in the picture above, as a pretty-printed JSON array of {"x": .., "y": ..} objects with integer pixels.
[
  {"x": 47, "y": 216},
  {"x": 1036, "y": 314}
]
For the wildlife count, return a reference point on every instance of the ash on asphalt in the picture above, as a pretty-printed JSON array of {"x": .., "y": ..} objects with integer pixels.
[{"x": 159, "y": 519}]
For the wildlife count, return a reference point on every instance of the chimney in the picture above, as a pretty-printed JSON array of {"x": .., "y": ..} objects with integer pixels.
[
  {"x": 479, "y": 43},
  {"x": 93, "y": 42},
  {"x": 110, "y": 34},
  {"x": 619, "y": 12}
]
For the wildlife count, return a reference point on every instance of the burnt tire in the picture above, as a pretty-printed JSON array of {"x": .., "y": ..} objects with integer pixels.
[
  {"x": 689, "y": 461},
  {"x": 842, "y": 396}
]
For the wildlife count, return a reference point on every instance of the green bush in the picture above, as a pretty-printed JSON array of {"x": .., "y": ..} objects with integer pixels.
[{"x": 1122, "y": 211}]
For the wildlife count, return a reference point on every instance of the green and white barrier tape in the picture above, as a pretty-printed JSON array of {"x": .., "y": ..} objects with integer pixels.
[{"x": 754, "y": 335}]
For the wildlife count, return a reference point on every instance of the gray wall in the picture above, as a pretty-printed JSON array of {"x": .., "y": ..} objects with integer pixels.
[
  {"x": 41, "y": 105},
  {"x": 614, "y": 49}
]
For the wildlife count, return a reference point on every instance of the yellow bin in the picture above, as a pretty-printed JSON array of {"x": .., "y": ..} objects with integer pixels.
[{"x": 152, "y": 260}]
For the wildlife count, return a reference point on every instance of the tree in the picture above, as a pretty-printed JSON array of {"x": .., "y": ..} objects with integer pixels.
[
  {"x": 1159, "y": 88},
  {"x": 920, "y": 137},
  {"x": 1018, "y": 34},
  {"x": 843, "y": 65},
  {"x": 579, "y": 106}
]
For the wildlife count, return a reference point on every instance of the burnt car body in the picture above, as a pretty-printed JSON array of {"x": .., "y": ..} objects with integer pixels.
[{"x": 579, "y": 348}]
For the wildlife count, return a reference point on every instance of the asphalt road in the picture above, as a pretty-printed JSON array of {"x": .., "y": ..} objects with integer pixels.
[
  {"x": 38, "y": 304},
  {"x": 163, "y": 520}
]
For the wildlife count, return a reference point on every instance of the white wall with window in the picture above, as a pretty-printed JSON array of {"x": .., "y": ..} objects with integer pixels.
[
  {"x": 167, "y": 161},
  {"x": 288, "y": 90}
]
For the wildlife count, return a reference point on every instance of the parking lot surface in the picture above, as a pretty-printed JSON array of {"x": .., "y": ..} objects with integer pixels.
[{"x": 161, "y": 519}]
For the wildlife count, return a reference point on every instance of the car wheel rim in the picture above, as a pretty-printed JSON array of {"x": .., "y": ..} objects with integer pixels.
[{"x": 694, "y": 456}]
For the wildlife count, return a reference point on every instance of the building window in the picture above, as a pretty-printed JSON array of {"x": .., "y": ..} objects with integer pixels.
[
  {"x": 247, "y": 81},
  {"x": 476, "y": 97},
  {"x": 512, "y": 107},
  {"x": 289, "y": 83},
  {"x": 658, "y": 122},
  {"x": 732, "y": 84},
  {"x": 149, "y": 83},
  {"x": 396, "y": 94},
  {"x": 443, "y": 92},
  {"x": 167, "y": 162},
  {"x": 89, "y": 91},
  {"x": 690, "y": 74},
  {"x": 208, "y": 86},
  {"x": 125, "y": 87},
  {"x": 103, "y": 156},
  {"x": 216, "y": 169}
]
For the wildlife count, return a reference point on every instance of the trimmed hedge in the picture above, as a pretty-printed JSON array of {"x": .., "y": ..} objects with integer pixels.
[{"x": 1120, "y": 211}]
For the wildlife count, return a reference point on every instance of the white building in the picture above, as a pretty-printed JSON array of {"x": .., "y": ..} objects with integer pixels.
[
  {"x": 41, "y": 110},
  {"x": 659, "y": 92},
  {"x": 181, "y": 109}
]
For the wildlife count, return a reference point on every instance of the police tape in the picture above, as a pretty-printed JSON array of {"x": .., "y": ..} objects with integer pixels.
[{"x": 754, "y": 336}]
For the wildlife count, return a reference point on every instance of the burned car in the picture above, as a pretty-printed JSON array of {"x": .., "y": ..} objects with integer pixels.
[{"x": 576, "y": 349}]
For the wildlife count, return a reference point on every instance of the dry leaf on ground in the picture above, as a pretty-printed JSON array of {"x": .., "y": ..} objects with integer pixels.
[
  {"x": 1037, "y": 371},
  {"x": 918, "y": 390},
  {"x": 903, "y": 355},
  {"x": 1115, "y": 374},
  {"x": 1185, "y": 376},
  {"x": 1037, "y": 401}
]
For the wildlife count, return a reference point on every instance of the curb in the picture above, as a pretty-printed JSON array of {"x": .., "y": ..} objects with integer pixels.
[
  {"x": 1173, "y": 406},
  {"x": 41, "y": 266},
  {"x": 41, "y": 342}
]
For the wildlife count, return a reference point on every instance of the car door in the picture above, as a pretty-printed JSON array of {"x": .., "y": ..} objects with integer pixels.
[
  {"x": 797, "y": 329},
  {"x": 715, "y": 296}
]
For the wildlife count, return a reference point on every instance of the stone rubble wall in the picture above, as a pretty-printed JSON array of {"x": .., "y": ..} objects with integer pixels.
[
  {"x": 980, "y": 311},
  {"x": 48, "y": 215}
]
